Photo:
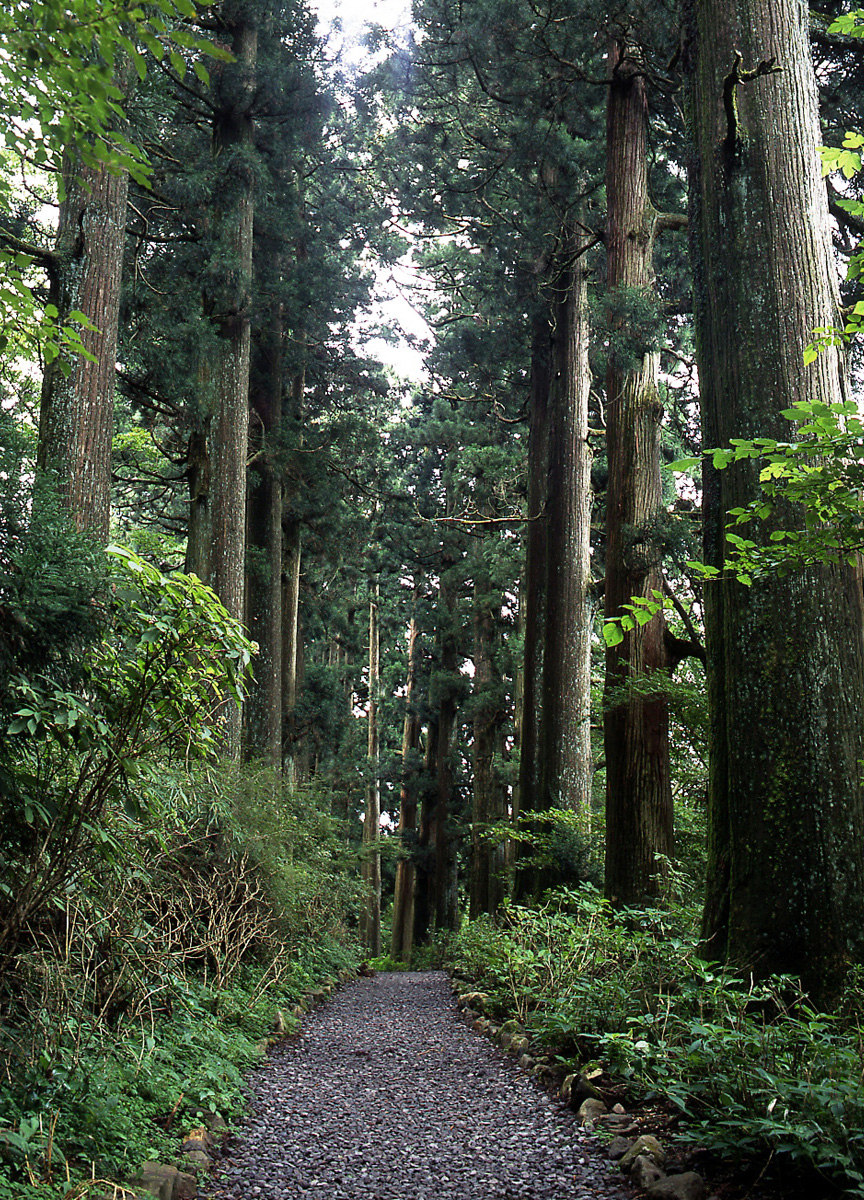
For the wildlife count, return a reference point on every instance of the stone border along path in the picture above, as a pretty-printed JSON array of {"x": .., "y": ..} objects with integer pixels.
[{"x": 386, "y": 1094}]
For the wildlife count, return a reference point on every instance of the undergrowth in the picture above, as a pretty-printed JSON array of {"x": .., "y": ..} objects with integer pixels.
[
  {"x": 754, "y": 1069},
  {"x": 131, "y": 1011}
]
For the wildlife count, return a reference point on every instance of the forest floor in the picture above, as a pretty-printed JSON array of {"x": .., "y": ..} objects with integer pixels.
[{"x": 387, "y": 1094}]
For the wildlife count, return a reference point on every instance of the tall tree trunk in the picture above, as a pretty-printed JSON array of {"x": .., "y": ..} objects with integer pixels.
[
  {"x": 449, "y": 687},
  {"x": 292, "y": 542},
  {"x": 370, "y": 913},
  {"x": 263, "y": 734},
  {"x": 565, "y": 717},
  {"x": 232, "y": 145},
  {"x": 639, "y": 812},
  {"x": 436, "y": 885},
  {"x": 487, "y": 883},
  {"x": 198, "y": 531},
  {"x": 76, "y": 421},
  {"x": 402, "y": 939},
  {"x": 534, "y": 593},
  {"x": 424, "y": 867},
  {"x": 785, "y": 656}
]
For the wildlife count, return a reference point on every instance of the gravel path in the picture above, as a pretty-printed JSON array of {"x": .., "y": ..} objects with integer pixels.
[{"x": 388, "y": 1095}]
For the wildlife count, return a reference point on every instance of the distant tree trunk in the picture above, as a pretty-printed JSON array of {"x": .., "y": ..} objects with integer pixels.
[
  {"x": 639, "y": 812},
  {"x": 445, "y": 879},
  {"x": 565, "y": 716},
  {"x": 230, "y": 306},
  {"x": 403, "y": 900},
  {"x": 370, "y": 913},
  {"x": 198, "y": 531},
  {"x": 533, "y": 593},
  {"x": 291, "y": 647},
  {"x": 436, "y": 898},
  {"x": 487, "y": 884},
  {"x": 263, "y": 732},
  {"x": 76, "y": 423},
  {"x": 785, "y": 656},
  {"x": 424, "y": 871}
]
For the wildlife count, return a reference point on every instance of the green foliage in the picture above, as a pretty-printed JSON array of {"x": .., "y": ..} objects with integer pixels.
[
  {"x": 78, "y": 756},
  {"x": 809, "y": 493},
  {"x": 65, "y": 73},
  {"x": 52, "y": 578},
  {"x": 753, "y": 1068},
  {"x": 149, "y": 992},
  {"x": 638, "y": 612}
]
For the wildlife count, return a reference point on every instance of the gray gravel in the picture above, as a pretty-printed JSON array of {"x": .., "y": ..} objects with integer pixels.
[{"x": 388, "y": 1094}]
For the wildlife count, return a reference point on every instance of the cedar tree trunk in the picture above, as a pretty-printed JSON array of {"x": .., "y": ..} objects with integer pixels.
[
  {"x": 403, "y": 898},
  {"x": 785, "y": 656},
  {"x": 639, "y": 813},
  {"x": 76, "y": 421},
  {"x": 370, "y": 913}
]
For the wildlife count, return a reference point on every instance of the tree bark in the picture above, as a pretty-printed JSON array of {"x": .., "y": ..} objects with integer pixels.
[
  {"x": 402, "y": 940},
  {"x": 785, "y": 656},
  {"x": 370, "y": 913},
  {"x": 263, "y": 730},
  {"x": 230, "y": 307},
  {"x": 76, "y": 422},
  {"x": 198, "y": 530},
  {"x": 639, "y": 812},
  {"x": 292, "y": 542},
  {"x": 436, "y": 898},
  {"x": 488, "y": 867},
  {"x": 565, "y": 717},
  {"x": 534, "y": 593}
]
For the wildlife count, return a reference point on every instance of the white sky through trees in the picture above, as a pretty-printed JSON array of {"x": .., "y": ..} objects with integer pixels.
[{"x": 343, "y": 23}]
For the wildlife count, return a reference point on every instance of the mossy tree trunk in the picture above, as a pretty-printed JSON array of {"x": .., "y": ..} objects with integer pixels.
[
  {"x": 533, "y": 595},
  {"x": 263, "y": 727},
  {"x": 370, "y": 913},
  {"x": 76, "y": 422},
  {"x": 402, "y": 940},
  {"x": 639, "y": 811},
  {"x": 229, "y": 303},
  {"x": 488, "y": 869},
  {"x": 564, "y": 733},
  {"x": 785, "y": 656}
]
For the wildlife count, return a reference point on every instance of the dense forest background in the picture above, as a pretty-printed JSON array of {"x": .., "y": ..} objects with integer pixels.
[{"x": 546, "y": 664}]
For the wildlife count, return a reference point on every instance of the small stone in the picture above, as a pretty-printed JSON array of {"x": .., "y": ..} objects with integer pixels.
[
  {"x": 197, "y": 1143},
  {"x": 157, "y": 1178},
  {"x": 520, "y": 1045},
  {"x": 618, "y": 1147},
  {"x": 645, "y": 1146},
  {"x": 197, "y": 1158},
  {"x": 583, "y": 1089},
  {"x": 688, "y": 1186},
  {"x": 279, "y": 1025},
  {"x": 185, "y": 1187},
  {"x": 644, "y": 1172},
  {"x": 567, "y": 1086},
  {"x": 526, "y": 1062},
  {"x": 618, "y": 1108},
  {"x": 590, "y": 1110}
]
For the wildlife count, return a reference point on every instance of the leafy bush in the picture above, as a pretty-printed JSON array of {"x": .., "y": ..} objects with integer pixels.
[
  {"x": 156, "y": 906},
  {"x": 79, "y": 757},
  {"x": 754, "y": 1069}
]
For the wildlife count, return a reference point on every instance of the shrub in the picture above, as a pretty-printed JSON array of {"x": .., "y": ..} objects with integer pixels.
[{"x": 752, "y": 1067}]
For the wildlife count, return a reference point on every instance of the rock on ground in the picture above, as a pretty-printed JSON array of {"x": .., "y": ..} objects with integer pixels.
[{"x": 388, "y": 1095}]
